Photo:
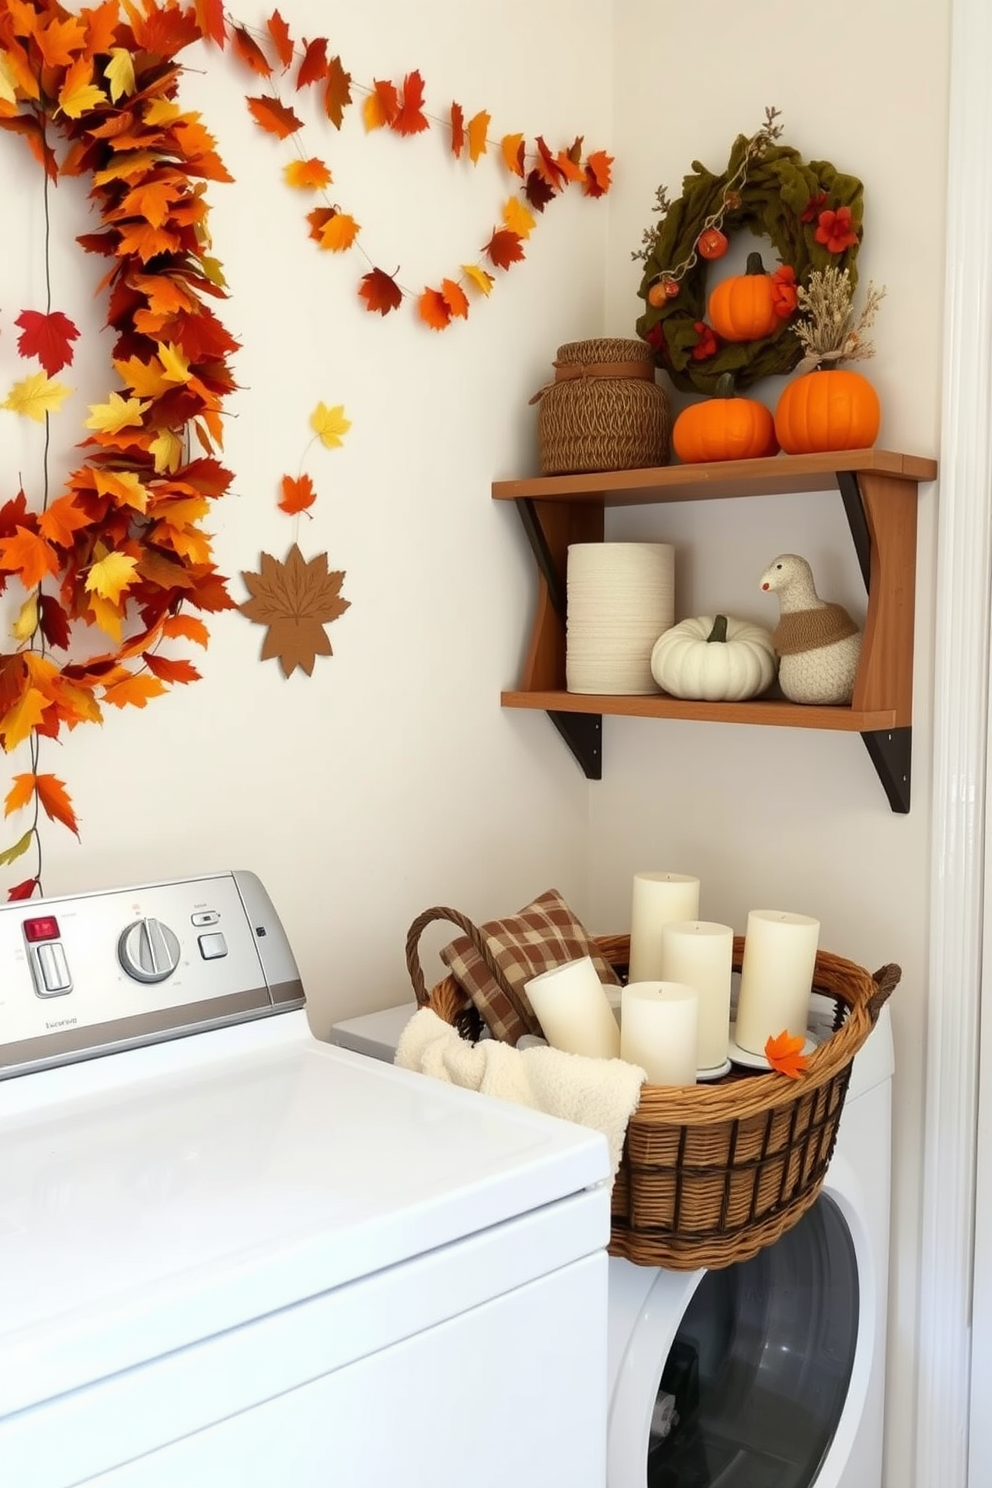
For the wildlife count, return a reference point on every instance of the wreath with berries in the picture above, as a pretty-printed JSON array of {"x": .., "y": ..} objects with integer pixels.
[{"x": 812, "y": 215}]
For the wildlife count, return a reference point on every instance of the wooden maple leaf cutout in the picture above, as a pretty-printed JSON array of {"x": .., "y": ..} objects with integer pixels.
[
  {"x": 785, "y": 1054},
  {"x": 295, "y": 599}
]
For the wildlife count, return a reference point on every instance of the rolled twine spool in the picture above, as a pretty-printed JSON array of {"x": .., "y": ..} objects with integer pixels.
[{"x": 604, "y": 410}]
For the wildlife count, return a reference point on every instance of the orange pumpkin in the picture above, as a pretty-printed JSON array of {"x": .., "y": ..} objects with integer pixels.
[
  {"x": 742, "y": 308},
  {"x": 827, "y": 410},
  {"x": 724, "y": 428}
]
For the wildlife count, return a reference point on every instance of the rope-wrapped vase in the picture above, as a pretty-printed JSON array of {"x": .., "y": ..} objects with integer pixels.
[
  {"x": 711, "y": 1174},
  {"x": 604, "y": 410}
]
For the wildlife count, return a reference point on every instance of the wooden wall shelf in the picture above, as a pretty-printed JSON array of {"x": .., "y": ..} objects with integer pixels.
[{"x": 879, "y": 490}]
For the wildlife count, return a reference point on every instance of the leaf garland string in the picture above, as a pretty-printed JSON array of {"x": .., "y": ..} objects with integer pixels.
[{"x": 273, "y": 56}]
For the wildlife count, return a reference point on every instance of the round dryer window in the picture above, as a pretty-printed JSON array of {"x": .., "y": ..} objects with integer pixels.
[{"x": 755, "y": 1383}]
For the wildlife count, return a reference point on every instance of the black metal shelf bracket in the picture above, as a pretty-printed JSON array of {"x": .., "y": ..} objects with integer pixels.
[
  {"x": 583, "y": 733},
  {"x": 891, "y": 752}
]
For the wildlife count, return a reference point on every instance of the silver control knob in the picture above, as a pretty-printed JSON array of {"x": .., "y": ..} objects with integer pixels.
[{"x": 148, "y": 951}]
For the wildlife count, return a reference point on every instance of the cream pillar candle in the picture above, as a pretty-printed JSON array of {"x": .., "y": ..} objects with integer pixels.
[
  {"x": 659, "y": 1031},
  {"x": 574, "y": 1011},
  {"x": 700, "y": 954},
  {"x": 776, "y": 977},
  {"x": 657, "y": 899}
]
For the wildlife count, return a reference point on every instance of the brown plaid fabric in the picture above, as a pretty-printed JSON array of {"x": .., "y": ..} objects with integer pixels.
[{"x": 543, "y": 934}]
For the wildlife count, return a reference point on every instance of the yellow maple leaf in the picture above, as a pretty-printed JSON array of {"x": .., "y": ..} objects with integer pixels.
[
  {"x": 307, "y": 175},
  {"x": 20, "y": 793},
  {"x": 339, "y": 232},
  {"x": 119, "y": 413},
  {"x": 8, "y": 92},
  {"x": 36, "y": 396},
  {"x": 175, "y": 366},
  {"x": 119, "y": 72},
  {"x": 11, "y": 854},
  {"x": 107, "y": 617},
  {"x": 26, "y": 623},
  {"x": 110, "y": 576},
  {"x": 145, "y": 379},
  {"x": 167, "y": 450},
  {"x": 161, "y": 111},
  {"x": 329, "y": 424},
  {"x": 478, "y": 277},
  {"x": 511, "y": 147},
  {"x": 477, "y": 143},
  {"x": 123, "y": 486},
  {"x": 18, "y": 721},
  {"x": 213, "y": 271},
  {"x": 518, "y": 219},
  {"x": 79, "y": 93}
]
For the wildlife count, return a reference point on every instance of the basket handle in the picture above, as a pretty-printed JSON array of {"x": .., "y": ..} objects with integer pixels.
[
  {"x": 478, "y": 939},
  {"x": 886, "y": 980}
]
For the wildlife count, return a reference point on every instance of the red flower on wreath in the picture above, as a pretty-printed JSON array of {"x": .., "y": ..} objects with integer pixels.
[
  {"x": 707, "y": 345},
  {"x": 784, "y": 296},
  {"x": 814, "y": 207},
  {"x": 836, "y": 230}
]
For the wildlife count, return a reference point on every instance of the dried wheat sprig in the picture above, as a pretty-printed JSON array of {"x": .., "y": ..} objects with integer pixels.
[{"x": 829, "y": 330}]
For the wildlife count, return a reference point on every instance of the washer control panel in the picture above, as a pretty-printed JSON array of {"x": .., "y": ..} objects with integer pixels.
[{"x": 90, "y": 973}]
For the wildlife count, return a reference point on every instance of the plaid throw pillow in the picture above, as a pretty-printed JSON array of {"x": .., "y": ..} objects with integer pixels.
[{"x": 543, "y": 934}]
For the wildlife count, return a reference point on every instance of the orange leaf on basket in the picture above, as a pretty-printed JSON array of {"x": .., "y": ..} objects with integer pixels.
[{"x": 785, "y": 1054}]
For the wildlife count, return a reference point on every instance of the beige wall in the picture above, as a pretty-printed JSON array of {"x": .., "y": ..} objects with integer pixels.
[{"x": 779, "y": 817}]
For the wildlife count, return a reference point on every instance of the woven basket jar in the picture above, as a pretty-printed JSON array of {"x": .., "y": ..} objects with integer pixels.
[
  {"x": 604, "y": 410},
  {"x": 712, "y": 1174}
]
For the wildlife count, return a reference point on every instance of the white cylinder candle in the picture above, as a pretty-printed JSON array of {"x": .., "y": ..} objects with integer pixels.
[
  {"x": 776, "y": 977},
  {"x": 700, "y": 954},
  {"x": 657, "y": 899},
  {"x": 574, "y": 1011},
  {"x": 659, "y": 1031}
]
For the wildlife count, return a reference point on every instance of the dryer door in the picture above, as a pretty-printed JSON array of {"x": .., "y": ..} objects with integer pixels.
[{"x": 754, "y": 1376}]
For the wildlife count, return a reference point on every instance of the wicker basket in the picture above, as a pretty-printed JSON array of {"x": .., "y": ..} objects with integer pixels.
[
  {"x": 711, "y": 1174},
  {"x": 604, "y": 410}
]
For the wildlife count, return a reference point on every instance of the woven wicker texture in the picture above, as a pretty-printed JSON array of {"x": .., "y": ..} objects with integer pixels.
[
  {"x": 604, "y": 410},
  {"x": 711, "y": 1174}
]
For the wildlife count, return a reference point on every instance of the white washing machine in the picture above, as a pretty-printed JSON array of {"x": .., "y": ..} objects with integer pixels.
[
  {"x": 231, "y": 1255},
  {"x": 766, "y": 1374}
]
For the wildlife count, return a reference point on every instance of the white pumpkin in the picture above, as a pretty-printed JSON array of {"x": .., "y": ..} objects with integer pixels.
[{"x": 714, "y": 659}]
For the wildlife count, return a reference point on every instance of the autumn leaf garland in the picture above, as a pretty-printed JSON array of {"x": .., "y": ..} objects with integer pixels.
[{"x": 543, "y": 173}]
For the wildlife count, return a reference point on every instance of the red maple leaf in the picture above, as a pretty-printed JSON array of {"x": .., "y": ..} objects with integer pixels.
[
  {"x": 314, "y": 66},
  {"x": 47, "y": 337},
  {"x": 549, "y": 167},
  {"x": 170, "y": 669},
  {"x": 537, "y": 191},
  {"x": 251, "y": 54},
  {"x": 410, "y": 118},
  {"x": 380, "y": 292},
  {"x": 457, "y": 129},
  {"x": 504, "y": 248},
  {"x": 53, "y": 621},
  {"x": 22, "y": 890},
  {"x": 281, "y": 38}
]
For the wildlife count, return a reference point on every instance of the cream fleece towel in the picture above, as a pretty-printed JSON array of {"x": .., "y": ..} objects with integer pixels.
[{"x": 601, "y": 1093}]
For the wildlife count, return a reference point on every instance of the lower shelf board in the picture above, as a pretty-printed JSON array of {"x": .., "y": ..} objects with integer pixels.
[{"x": 776, "y": 712}]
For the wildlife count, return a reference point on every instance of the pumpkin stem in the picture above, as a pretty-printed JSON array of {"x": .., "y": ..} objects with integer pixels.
[
  {"x": 726, "y": 385},
  {"x": 754, "y": 264},
  {"x": 719, "y": 631}
]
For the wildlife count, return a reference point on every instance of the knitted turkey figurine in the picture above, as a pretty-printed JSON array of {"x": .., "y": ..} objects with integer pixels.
[{"x": 818, "y": 643}]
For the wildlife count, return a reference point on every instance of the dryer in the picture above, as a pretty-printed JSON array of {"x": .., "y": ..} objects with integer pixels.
[{"x": 769, "y": 1373}]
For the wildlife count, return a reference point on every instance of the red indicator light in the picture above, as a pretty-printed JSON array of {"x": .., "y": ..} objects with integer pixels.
[{"x": 45, "y": 927}]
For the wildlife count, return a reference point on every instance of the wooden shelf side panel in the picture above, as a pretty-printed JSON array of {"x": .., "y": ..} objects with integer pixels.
[
  {"x": 885, "y": 675},
  {"x": 559, "y": 525}
]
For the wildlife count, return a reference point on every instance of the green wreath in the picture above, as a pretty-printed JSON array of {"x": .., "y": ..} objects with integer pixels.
[{"x": 771, "y": 191}]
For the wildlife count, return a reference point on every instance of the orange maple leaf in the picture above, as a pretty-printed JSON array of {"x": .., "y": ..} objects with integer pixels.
[
  {"x": 171, "y": 669},
  {"x": 457, "y": 129},
  {"x": 210, "y": 18},
  {"x": 380, "y": 292},
  {"x": 548, "y": 166},
  {"x": 504, "y": 248},
  {"x": 337, "y": 91},
  {"x": 313, "y": 68},
  {"x": 598, "y": 173},
  {"x": 785, "y": 1054},
  {"x": 281, "y": 38},
  {"x": 318, "y": 220},
  {"x": 339, "y": 232},
  {"x": 297, "y": 494},
  {"x": 134, "y": 691},
  {"x": 251, "y": 54},
  {"x": 188, "y": 626},
  {"x": 31, "y": 557},
  {"x": 455, "y": 298},
  {"x": 381, "y": 106},
  {"x": 274, "y": 117},
  {"x": 433, "y": 308},
  {"x": 60, "y": 520},
  {"x": 60, "y": 41},
  {"x": 308, "y": 175},
  {"x": 512, "y": 148},
  {"x": 410, "y": 117},
  {"x": 478, "y": 142},
  {"x": 55, "y": 801}
]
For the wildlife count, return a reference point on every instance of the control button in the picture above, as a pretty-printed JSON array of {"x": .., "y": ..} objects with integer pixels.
[
  {"x": 149, "y": 951},
  {"x": 54, "y": 970},
  {"x": 212, "y": 947},
  {"x": 44, "y": 927},
  {"x": 205, "y": 917}
]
